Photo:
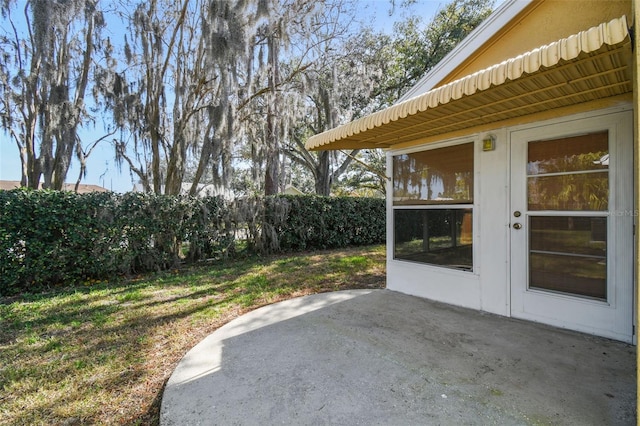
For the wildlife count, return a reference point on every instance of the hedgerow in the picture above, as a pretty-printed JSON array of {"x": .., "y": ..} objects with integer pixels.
[{"x": 52, "y": 238}]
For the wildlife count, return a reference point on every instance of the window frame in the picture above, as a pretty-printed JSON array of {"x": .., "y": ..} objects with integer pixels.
[{"x": 474, "y": 140}]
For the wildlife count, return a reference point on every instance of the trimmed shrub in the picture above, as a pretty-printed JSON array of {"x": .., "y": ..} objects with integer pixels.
[
  {"x": 315, "y": 222},
  {"x": 52, "y": 238}
]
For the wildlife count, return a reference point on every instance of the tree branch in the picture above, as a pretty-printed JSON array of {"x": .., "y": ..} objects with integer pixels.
[
  {"x": 268, "y": 89},
  {"x": 384, "y": 177}
]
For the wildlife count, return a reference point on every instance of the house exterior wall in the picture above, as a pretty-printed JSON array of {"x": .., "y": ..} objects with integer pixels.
[
  {"x": 488, "y": 286},
  {"x": 484, "y": 288}
]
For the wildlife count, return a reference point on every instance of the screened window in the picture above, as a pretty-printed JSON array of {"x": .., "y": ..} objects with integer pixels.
[
  {"x": 437, "y": 176},
  {"x": 433, "y": 207}
]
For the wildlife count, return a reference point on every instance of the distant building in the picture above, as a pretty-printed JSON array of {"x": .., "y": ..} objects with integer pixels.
[
  {"x": 202, "y": 190},
  {"x": 292, "y": 190},
  {"x": 82, "y": 188},
  {"x": 209, "y": 190}
]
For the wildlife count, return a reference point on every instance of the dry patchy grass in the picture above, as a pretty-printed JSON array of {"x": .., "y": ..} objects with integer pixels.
[{"x": 101, "y": 354}]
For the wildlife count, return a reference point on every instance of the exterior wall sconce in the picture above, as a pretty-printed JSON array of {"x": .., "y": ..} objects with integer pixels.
[{"x": 489, "y": 143}]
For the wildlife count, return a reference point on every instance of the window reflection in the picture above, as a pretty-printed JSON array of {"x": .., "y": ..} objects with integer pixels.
[
  {"x": 576, "y": 153},
  {"x": 589, "y": 191},
  {"x": 568, "y": 254},
  {"x": 569, "y": 173},
  {"x": 437, "y": 176},
  {"x": 438, "y": 237}
]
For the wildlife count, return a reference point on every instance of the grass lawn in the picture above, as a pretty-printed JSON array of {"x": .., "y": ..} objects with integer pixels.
[{"x": 101, "y": 353}]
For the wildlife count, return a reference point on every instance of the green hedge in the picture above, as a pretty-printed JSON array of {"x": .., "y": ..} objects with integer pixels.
[
  {"x": 315, "y": 222},
  {"x": 50, "y": 238}
]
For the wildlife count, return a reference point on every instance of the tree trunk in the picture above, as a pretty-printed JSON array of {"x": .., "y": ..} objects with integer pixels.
[
  {"x": 272, "y": 167},
  {"x": 271, "y": 175},
  {"x": 323, "y": 175}
]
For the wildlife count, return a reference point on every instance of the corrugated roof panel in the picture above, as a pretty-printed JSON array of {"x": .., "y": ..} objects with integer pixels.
[{"x": 592, "y": 64}]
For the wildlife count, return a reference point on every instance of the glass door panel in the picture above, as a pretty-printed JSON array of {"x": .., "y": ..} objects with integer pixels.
[
  {"x": 571, "y": 154},
  {"x": 568, "y": 254},
  {"x": 572, "y": 191},
  {"x": 569, "y": 173}
]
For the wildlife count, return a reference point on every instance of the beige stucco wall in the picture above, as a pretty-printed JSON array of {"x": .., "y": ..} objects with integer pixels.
[{"x": 544, "y": 22}]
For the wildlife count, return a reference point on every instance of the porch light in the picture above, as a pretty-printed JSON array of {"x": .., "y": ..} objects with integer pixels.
[{"x": 489, "y": 143}]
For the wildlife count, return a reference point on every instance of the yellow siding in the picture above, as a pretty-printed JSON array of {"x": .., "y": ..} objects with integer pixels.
[{"x": 544, "y": 22}]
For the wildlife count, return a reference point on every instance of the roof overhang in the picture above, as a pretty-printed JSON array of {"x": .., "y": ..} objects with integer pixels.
[{"x": 591, "y": 65}]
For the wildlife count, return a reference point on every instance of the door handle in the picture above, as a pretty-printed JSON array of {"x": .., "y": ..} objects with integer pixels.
[{"x": 517, "y": 225}]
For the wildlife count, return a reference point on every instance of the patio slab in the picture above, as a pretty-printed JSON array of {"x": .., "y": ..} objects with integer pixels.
[{"x": 377, "y": 357}]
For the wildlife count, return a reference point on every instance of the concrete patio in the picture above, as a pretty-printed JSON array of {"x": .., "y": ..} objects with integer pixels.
[{"x": 380, "y": 357}]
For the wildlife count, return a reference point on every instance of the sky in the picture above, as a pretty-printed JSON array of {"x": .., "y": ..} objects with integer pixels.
[{"x": 101, "y": 167}]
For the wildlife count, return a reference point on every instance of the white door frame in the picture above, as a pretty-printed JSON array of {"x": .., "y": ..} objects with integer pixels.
[{"x": 614, "y": 317}]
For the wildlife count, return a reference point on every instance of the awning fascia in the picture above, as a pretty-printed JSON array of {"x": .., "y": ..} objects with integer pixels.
[{"x": 589, "y": 65}]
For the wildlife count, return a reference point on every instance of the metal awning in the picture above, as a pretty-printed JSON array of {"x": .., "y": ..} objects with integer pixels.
[{"x": 593, "y": 64}]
